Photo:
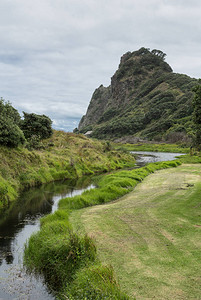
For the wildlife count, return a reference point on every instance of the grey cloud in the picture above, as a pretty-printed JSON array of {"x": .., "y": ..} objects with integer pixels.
[{"x": 55, "y": 53}]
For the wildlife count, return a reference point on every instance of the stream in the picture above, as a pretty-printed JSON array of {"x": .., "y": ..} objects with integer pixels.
[
  {"x": 145, "y": 157},
  {"x": 17, "y": 223},
  {"x": 22, "y": 218}
]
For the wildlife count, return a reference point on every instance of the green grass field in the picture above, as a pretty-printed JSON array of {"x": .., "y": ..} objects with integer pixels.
[
  {"x": 160, "y": 147},
  {"x": 151, "y": 236}
]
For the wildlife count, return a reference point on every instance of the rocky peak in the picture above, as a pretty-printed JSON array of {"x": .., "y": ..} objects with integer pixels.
[{"x": 145, "y": 98}]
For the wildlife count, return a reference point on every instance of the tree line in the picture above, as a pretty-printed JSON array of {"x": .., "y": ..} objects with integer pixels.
[
  {"x": 29, "y": 130},
  {"x": 32, "y": 128}
]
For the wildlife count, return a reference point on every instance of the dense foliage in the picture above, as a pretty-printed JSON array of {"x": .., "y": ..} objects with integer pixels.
[
  {"x": 14, "y": 131},
  {"x": 10, "y": 133},
  {"x": 145, "y": 99},
  {"x": 39, "y": 125},
  {"x": 197, "y": 114}
]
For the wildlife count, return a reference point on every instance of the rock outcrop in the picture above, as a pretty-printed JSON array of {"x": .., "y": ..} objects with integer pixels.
[{"x": 145, "y": 99}]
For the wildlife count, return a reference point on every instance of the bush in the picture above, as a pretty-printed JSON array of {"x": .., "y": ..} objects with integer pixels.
[
  {"x": 36, "y": 125},
  {"x": 34, "y": 143},
  {"x": 7, "y": 110},
  {"x": 13, "y": 130},
  {"x": 10, "y": 133}
]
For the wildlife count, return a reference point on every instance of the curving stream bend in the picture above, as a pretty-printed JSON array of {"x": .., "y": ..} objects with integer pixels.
[{"x": 19, "y": 221}]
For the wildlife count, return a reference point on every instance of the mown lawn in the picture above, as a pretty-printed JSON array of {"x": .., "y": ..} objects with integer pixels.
[{"x": 151, "y": 236}]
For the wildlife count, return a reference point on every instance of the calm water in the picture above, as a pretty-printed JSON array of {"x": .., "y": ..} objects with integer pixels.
[
  {"x": 145, "y": 157},
  {"x": 19, "y": 221}
]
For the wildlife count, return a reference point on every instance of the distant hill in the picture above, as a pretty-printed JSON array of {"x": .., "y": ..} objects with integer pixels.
[{"x": 145, "y": 100}]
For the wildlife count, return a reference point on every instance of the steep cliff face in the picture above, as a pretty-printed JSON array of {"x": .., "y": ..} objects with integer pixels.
[
  {"x": 145, "y": 99},
  {"x": 96, "y": 107}
]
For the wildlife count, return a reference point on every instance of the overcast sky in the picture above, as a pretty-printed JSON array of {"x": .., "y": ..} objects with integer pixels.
[{"x": 54, "y": 53}]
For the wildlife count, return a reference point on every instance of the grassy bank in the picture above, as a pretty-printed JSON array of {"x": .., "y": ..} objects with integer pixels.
[
  {"x": 162, "y": 147},
  {"x": 63, "y": 156},
  {"x": 67, "y": 257},
  {"x": 191, "y": 159},
  {"x": 151, "y": 236}
]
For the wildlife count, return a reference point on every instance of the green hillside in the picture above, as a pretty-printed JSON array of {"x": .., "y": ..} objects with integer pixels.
[
  {"x": 62, "y": 156},
  {"x": 146, "y": 99}
]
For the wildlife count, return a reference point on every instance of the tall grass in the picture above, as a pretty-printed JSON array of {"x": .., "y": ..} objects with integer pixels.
[
  {"x": 63, "y": 156},
  {"x": 191, "y": 159},
  {"x": 68, "y": 259},
  {"x": 160, "y": 147},
  {"x": 95, "y": 282},
  {"x": 58, "y": 252}
]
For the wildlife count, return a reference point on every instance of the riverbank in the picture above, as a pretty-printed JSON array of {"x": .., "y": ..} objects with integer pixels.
[
  {"x": 151, "y": 236},
  {"x": 160, "y": 147},
  {"x": 63, "y": 156},
  {"x": 67, "y": 258}
]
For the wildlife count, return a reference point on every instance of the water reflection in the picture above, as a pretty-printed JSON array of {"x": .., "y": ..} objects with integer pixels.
[
  {"x": 145, "y": 157},
  {"x": 17, "y": 222},
  {"x": 21, "y": 218}
]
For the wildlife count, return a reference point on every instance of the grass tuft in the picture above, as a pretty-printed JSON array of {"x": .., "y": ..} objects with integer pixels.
[
  {"x": 57, "y": 252},
  {"x": 96, "y": 282}
]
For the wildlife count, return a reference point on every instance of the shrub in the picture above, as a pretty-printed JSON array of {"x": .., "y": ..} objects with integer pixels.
[
  {"x": 7, "y": 110},
  {"x": 34, "y": 142},
  {"x": 197, "y": 114},
  {"x": 36, "y": 125},
  {"x": 10, "y": 133}
]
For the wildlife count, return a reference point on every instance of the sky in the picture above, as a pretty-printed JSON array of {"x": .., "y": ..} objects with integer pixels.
[{"x": 55, "y": 53}]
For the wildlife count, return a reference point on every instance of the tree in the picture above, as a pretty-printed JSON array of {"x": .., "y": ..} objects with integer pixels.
[
  {"x": 197, "y": 114},
  {"x": 36, "y": 125},
  {"x": 8, "y": 110},
  {"x": 10, "y": 133},
  {"x": 159, "y": 53}
]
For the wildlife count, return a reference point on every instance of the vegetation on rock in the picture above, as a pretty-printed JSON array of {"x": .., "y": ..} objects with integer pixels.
[
  {"x": 145, "y": 99},
  {"x": 197, "y": 114}
]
